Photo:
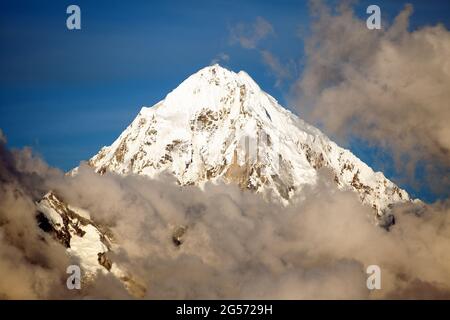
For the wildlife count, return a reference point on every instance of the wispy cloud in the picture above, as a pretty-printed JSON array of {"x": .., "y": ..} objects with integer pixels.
[
  {"x": 249, "y": 35},
  {"x": 281, "y": 72},
  {"x": 220, "y": 58}
]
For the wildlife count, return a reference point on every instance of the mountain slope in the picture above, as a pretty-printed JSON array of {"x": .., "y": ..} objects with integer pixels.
[{"x": 218, "y": 124}]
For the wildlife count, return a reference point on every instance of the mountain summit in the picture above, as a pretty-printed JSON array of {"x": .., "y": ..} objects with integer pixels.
[{"x": 220, "y": 125}]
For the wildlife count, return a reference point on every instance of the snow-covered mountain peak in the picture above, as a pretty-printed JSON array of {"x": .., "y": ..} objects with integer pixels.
[
  {"x": 208, "y": 88},
  {"x": 220, "y": 125}
]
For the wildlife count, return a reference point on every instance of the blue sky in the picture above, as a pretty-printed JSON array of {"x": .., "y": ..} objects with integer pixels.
[{"x": 68, "y": 93}]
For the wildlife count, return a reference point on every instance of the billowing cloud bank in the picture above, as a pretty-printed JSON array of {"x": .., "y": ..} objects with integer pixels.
[
  {"x": 389, "y": 87},
  {"x": 237, "y": 245}
]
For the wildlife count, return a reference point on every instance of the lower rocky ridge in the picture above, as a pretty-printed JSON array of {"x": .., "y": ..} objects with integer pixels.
[{"x": 84, "y": 239}]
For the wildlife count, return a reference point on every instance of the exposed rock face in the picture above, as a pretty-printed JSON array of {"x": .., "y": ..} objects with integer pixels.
[{"x": 178, "y": 235}]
